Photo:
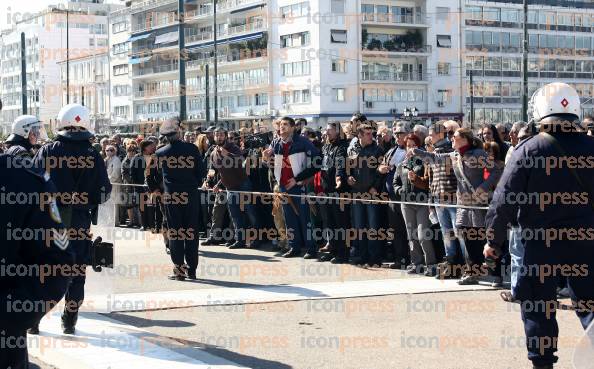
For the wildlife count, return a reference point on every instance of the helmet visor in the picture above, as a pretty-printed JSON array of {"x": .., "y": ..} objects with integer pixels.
[{"x": 39, "y": 131}]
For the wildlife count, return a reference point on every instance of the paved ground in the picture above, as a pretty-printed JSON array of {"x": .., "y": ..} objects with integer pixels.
[{"x": 252, "y": 309}]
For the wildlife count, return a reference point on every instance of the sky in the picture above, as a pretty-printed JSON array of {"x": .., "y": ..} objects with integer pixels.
[{"x": 11, "y": 10}]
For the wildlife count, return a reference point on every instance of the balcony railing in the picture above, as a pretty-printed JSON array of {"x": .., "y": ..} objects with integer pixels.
[
  {"x": 231, "y": 31},
  {"x": 160, "y": 92},
  {"x": 198, "y": 37},
  {"x": 155, "y": 69},
  {"x": 150, "y": 4},
  {"x": 222, "y": 6},
  {"x": 394, "y": 77},
  {"x": 399, "y": 49},
  {"x": 418, "y": 18},
  {"x": 160, "y": 22},
  {"x": 223, "y": 59},
  {"x": 235, "y": 85}
]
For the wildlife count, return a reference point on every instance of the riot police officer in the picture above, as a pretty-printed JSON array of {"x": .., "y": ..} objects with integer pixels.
[
  {"x": 25, "y": 132},
  {"x": 179, "y": 162},
  {"x": 556, "y": 230},
  {"x": 35, "y": 256},
  {"x": 80, "y": 176}
]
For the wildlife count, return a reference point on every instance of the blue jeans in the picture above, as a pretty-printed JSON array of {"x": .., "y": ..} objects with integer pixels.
[
  {"x": 299, "y": 230},
  {"x": 366, "y": 217},
  {"x": 447, "y": 223},
  {"x": 239, "y": 207}
]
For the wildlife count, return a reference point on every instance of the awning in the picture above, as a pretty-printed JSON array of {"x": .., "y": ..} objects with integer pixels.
[
  {"x": 139, "y": 37},
  {"x": 444, "y": 41},
  {"x": 167, "y": 38},
  {"x": 133, "y": 61}
]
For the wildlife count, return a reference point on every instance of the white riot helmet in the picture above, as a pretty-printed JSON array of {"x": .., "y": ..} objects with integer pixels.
[
  {"x": 23, "y": 126},
  {"x": 554, "y": 99},
  {"x": 74, "y": 121}
]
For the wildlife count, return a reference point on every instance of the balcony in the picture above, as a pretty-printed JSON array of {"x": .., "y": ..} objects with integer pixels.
[
  {"x": 222, "y": 7},
  {"x": 156, "y": 93},
  {"x": 229, "y": 32},
  {"x": 394, "y": 77},
  {"x": 148, "y": 4},
  {"x": 234, "y": 85},
  {"x": 227, "y": 59},
  {"x": 158, "y": 23},
  {"x": 378, "y": 48},
  {"x": 395, "y": 19},
  {"x": 155, "y": 69}
]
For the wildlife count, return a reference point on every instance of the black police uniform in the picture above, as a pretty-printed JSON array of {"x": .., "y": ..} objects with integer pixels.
[
  {"x": 80, "y": 176},
  {"x": 28, "y": 294},
  {"x": 180, "y": 164},
  {"x": 19, "y": 146},
  {"x": 537, "y": 285}
]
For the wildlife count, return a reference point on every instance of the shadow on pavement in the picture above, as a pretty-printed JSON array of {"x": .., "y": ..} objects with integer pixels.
[
  {"x": 268, "y": 288},
  {"x": 143, "y": 323},
  {"x": 232, "y": 256},
  {"x": 235, "y": 357}
]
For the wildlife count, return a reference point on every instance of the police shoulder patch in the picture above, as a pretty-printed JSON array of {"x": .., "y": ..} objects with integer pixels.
[
  {"x": 60, "y": 239},
  {"x": 55, "y": 212}
]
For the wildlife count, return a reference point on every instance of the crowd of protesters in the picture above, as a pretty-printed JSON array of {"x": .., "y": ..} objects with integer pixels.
[{"x": 373, "y": 194}]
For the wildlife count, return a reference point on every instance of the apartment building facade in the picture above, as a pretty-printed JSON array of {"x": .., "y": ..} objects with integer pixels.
[
  {"x": 312, "y": 59},
  {"x": 45, "y": 42},
  {"x": 89, "y": 86},
  {"x": 561, "y": 48},
  {"x": 120, "y": 70}
]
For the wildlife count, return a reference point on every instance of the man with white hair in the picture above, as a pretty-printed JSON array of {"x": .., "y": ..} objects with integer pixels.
[
  {"x": 421, "y": 132},
  {"x": 451, "y": 127}
]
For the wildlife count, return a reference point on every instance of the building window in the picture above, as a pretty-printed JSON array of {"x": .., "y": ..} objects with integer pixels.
[
  {"x": 121, "y": 69},
  {"x": 261, "y": 99},
  {"x": 97, "y": 29},
  {"x": 120, "y": 48},
  {"x": 295, "y": 10},
  {"x": 443, "y": 97},
  {"x": 337, "y": 6},
  {"x": 301, "y": 68},
  {"x": 297, "y": 97},
  {"x": 492, "y": 14},
  {"x": 121, "y": 90},
  {"x": 474, "y": 12},
  {"x": 443, "y": 69},
  {"x": 444, "y": 41},
  {"x": 339, "y": 65},
  {"x": 243, "y": 101},
  {"x": 120, "y": 27},
  {"x": 121, "y": 111},
  {"x": 338, "y": 36},
  {"x": 339, "y": 94},
  {"x": 442, "y": 14},
  {"x": 295, "y": 40}
]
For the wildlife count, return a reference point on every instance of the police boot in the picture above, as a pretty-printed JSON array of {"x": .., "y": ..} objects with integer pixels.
[
  {"x": 179, "y": 273},
  {"x": 69, "y": 319}
]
